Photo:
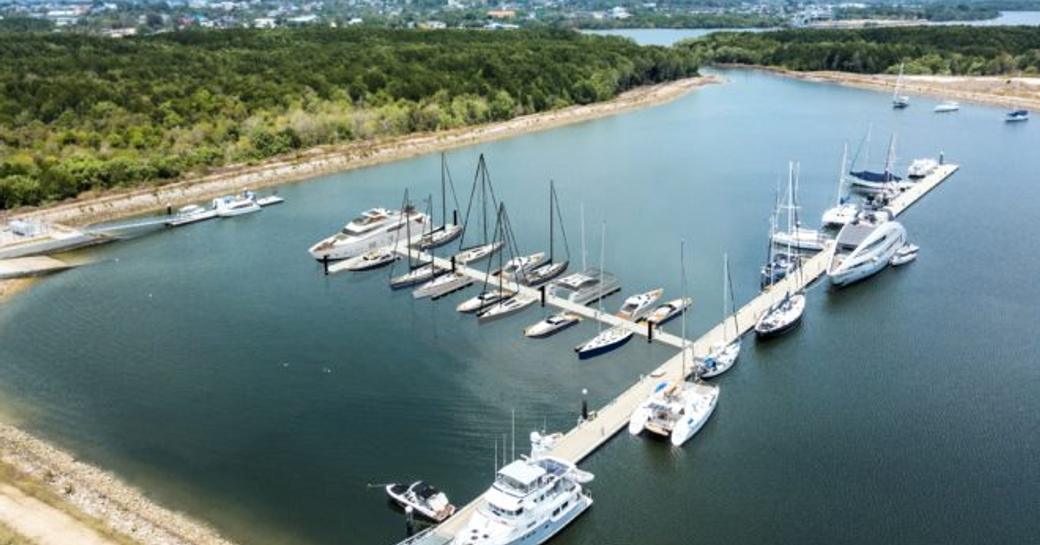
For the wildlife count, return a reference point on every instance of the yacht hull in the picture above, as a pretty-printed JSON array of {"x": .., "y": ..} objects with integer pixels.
[{"x": 585, "y": 354}]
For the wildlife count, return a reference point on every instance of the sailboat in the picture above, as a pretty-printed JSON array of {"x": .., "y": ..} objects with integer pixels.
[
  {"x": 447, "y": 232},
  {"x": 796, "y": 236},
  {"x": 609, "y": 339},
  {"x": 676, "y": 409},
  {"x": 483, "y": 190},
  {"x": 777, "y": 264},
  {"x": 723, "y": 356},
  {"x": 419, "y": 271},
  {"x": 843, "y": 210},
  {"x": 513, "y": 303},
  {"x": 785, "y": 314},
  {"x": 899, "y": 101},
  {"x": 867, "y": 181},
  {"x": 551, "y": 269}
]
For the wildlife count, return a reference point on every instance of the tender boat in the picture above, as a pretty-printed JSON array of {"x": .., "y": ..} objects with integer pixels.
[
  {"x": 781, "y": 317},
  {"x": 905, "y": 255},
  {"x": 676, "y": 410},
  {"x": 922, "y": 167},
  {"x": 373, "y": 229},
  {"x": 946, "y": 107},
  {"x": 542, "y": 443},
  {"x": 862, "y": 249},
  {"x": 418, "y": 275},
  {"x": 269, "y": 200},
  {"x": 236, "y": 205},
  {"x": 840, "y": 214},
  {"x": 1017, "y": 115},
  {"x": 477, "y": 253},
  {"x": 443, "y": 285},
  {"x": 530, "y": 502},
  {"x": 551, "y": 325},
  {"x": 425, "y": 499},
  {"x": 604, "y": 342},
  {"x": 637, "y": 305},
  {"x": 374, "y": 259},
  {"x": 505, "y": 307},
  {"x": 665, "y": 312},
  {"x": 585, "y": 287},
  {"x": 191, "y": 214},
  {"x": 483, "y": 300}
]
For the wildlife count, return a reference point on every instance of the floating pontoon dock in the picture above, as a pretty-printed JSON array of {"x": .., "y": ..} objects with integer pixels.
[{"x": 589, "y": 435}]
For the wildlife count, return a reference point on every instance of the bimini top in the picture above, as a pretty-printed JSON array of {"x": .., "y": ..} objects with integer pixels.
[{"x": 869, "y": 176}]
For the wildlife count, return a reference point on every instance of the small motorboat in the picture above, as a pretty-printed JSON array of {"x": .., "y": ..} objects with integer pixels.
[
  {"x": 544, "y": 273},
  {"x": 439, "y": 237},
  {"x": 483, "y": 300},
  {"x": 607, "y": 340},
  {"x": 505, "y": 307},
  {"x": 551, "y": 325},
  {"x": 417, "y": 275},
  {"x": 374, "y": 259},
  {"x": 947, "y": 107},
  {"x": 1017, "y": 115},
  {"x": 236, "y": 205},
  {"x": 905, "y": 254},
  {"x": 477, "y": 253},
  {"x": 637, "y": 305},
  {"x": 269, "y": 200},
  {"x": 719, "y": 360},
  {"x": 839, "y": 215},
  {"x": 922, "y": 167},
  {"x": 781, "y": 317},
  {"x": 191, "y": 214},
  {"x": 668, "y": 310},
  {"x": 542, "y": 443},
  {"x": 425, "y": 499},
  {"x": 443, "y": 285}
]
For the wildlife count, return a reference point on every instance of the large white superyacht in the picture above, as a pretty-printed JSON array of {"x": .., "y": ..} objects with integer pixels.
[{"x": 373, "y": 229}]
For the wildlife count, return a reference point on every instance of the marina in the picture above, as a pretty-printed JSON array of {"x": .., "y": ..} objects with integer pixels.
[{"x": 789, "y": 408}]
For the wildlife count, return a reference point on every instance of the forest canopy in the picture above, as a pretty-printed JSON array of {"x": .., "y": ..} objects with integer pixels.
[
  {"x": 948, "y": 50},
  {"x": 81, "y": 113}
]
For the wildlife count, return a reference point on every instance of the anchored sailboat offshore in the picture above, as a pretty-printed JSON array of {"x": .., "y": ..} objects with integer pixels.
[{"x": 675, "y": 400}]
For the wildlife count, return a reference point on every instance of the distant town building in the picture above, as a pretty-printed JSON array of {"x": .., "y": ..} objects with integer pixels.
[
  {"x": 120, "y": 32},
  {"x": 264, "y": 22},
  {"x": 619, "y": 13},
  {"x": 355, "y": 21},
  {"x": 433, "y": 25},
  {"x": 501, "y": 13}
]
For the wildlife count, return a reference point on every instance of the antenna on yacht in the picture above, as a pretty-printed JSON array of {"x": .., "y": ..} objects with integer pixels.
[
  {"x": 682, "y": 283},
  {"x": 495, "y": 471},
  {"x": 584, "y": 266},
  {"x": 513, "y": 432}
]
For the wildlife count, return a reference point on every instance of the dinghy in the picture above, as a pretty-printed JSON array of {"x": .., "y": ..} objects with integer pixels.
[{"x": 423, "y": 498}]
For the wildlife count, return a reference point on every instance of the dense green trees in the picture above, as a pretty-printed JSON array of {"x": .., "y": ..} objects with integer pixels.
[
  {"x": 81, "y": 113},
  {"x": 957, "y": 50}
]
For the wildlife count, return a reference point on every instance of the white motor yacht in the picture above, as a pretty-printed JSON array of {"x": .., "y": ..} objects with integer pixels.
[
  {"x": 676, "y": 410},
  {"x": 781, "y": 317},
  {"x": 443, "y": 285},
  {"x": 373, "y": 229},
  {"x": 922, "y": 167},
  {"x": 236, "y": 205},
  {"x": 862, "y": 249},
  {"x": 505, "y": 307},
  {"x": 585, "y": 287},
  {"x": 669, "y": 310},
  {"x": 551, "y": 325},
  {"x": 191, "y": 214},
  {"x": 905, "y": 255},
  {"x": 530, "y": 502},
  {"x": 637, "y": 305},
  {"x": 604, "y": 342},
  {"x": 483, "y": 300},
  {"x": 477, "y": 253},
  {"x": 947, "y": 107},
  {"x": 425, "y": 499}
]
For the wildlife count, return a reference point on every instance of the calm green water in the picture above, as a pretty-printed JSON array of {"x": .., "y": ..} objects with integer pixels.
[{"x": 217, "y": 369}]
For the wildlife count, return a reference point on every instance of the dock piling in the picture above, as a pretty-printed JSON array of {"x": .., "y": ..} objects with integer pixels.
[
  {"x": 649, "y": 331},
  {"x": 325, "y": 263},
  {"x": 409, "y": 521},
  {"x": 542, "y": 290},
  {"x": 584, "y": 404}
]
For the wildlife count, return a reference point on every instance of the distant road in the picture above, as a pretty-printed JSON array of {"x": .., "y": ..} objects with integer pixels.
[{"x": 43, "y": 524}]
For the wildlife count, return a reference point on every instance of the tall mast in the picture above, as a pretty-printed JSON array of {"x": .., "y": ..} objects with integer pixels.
[
  {"x": 602, "y": 249},
  {"x": 552, "y": 193},
  {"x": 407, "y": 229},
  {"x": 444, "y": 194},
  {"x": 682, "y": 284},
  {"x": 584, "y": 266},
  {"x": 890, "y": 159},
  {"x": 841, "y": 174},
  {"x": 732, "y": 300}
]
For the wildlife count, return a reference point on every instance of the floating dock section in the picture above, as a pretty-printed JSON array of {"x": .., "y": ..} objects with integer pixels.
[
  {"x": 613, "y": 417},
  {"x": 22, "y": 267}
]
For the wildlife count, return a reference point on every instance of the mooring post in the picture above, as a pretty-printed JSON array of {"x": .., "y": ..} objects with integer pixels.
[
  {"x": 452, "y": 263},
  {"x": 649, "y": 331},
  {"x": 584, "y": 404},
  {"x": 542, "y": 290},
  {"x": 942, "y": 158},
  {"x": 454, "y": 217},
  {"x": 169, "y": 209},
  {"x": 409, "y": 521},
  {"x": 325, "y": 263}
]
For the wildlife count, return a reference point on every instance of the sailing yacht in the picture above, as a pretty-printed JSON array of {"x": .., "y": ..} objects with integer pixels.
[
  {"x": 484, "y": 193},
  {"x": 550, "y": 269},
  {"x": 551, "y": 325},
  {"x": 676, "y": 410},
  {"x": 373, "y": 229},
  {"x": 609, "y": 339},
  {"x": 516, "y": 268},
  {"x": 899, "y": 101},
  {"x": 886, "y": 181},
  {"x": 506, "y": 307},
  {"x": 863, "y": 248},
  {"x": 530, "y": 501},
  {"x": 722, "y": 356},
  {"x": 443, "y": 285},
  {"x": 483, "y": 300},
  {"x": 844, "y": 210},
  {"x": 796, "y": 236},
  {"x": 785, "y": 314},
  {"x": 638, "y": 305},
  {"x": 446, "y": 232},
  {"x": 374, "y": 259},
  {"x": 513, "y": 303}
]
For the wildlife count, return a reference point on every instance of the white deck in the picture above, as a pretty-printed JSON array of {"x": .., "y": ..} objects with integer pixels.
[{"x": 588, "y": 436}]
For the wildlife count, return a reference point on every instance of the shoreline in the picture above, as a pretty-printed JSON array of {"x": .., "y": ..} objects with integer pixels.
[
  {"x": 1014, "y": 92},
  {"x": 80, "y": 499},
  {"x": 343, "y": 157}
]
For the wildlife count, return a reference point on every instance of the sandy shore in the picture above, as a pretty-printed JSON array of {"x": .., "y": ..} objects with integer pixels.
[
  {"x": 339, "y": 158},
  {"x": 1006, "y": 92},
  {"x": 84, "y": 500}
]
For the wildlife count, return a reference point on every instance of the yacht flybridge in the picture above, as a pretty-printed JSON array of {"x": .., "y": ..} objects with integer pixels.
[
  {"x": 676, "y": 410},
  {"x": 530, "y": 502},
  {"x": 863, "y": 248},
  {"x": 373, "y": 229}
]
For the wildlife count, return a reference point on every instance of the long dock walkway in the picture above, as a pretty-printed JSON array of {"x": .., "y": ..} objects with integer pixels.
[{"x": 588, "y": 436}]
